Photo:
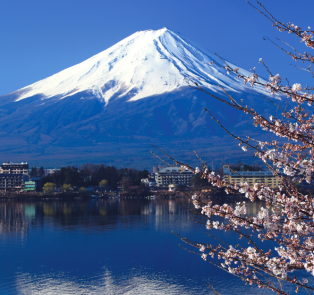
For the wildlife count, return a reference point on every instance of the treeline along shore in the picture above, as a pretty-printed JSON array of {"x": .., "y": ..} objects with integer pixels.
[
  {"x": 106, "y": 181},
  {"x": 91, "y": 175},
  {"x": 132, "y": 193},
  {"x": 101, "y": 181}
]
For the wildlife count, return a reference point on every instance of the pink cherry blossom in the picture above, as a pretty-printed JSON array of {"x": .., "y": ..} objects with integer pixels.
[{"x": 285, "y": 223}]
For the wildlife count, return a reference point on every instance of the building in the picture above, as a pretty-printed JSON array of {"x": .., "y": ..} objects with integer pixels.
[
  {"x": 50, "y": 171},
  {"x": 251, "y": 177},
  {"x": 12, "y": 182},
  {"x": 172, "y": 187},
  {"x": 13, "y": 176},
  {"x": 14, "y": 168},
  {"x": 30, "y": 186},
  {"x": 148, "y": 182},
  {"x": 161, "y": 166},
  {"x": 173, "y": 175},
  {"x": 38, "y": 182}
]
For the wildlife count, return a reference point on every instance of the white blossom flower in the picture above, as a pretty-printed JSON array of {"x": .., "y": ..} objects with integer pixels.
[
  {"x": 231, "y": 270},
  {"x": 296, "y": 87},
  {"x": 202, "y": 248},
  {"x": 262, "y": 214},
  {"x": 244, "y": 187},
  {"x": 240, "y": 209},
  {"x": 216, "y": 224}
]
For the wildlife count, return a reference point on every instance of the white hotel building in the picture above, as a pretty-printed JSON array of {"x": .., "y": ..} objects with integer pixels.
[{"x": 173, "y": 175}]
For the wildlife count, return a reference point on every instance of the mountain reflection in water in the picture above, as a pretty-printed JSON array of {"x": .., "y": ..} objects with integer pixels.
[{"x": 112, "y": 246}]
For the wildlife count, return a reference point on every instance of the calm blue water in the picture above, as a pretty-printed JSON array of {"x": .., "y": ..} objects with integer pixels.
[{"x": 105, "y": 247}]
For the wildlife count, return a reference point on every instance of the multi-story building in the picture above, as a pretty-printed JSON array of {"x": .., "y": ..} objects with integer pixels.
[
  {"x": 13, "y": 176},
  {"x": 30, "y": 186},
  {"x": 50, "y": 171},
  {"x": 148, "y": 182},
  {"x": 251, "y": 177},
  {"x": 14, "y": 168},
  {"x": 173, "y": 175}
]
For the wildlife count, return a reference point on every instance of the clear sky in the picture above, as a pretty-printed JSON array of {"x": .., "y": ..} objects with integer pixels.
[{"x": 40, "y": 38}]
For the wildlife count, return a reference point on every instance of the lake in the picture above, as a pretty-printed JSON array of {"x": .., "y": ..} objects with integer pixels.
[{"x": 106, "y": 246}]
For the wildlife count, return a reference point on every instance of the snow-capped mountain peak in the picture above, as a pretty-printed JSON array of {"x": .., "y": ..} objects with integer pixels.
[{"x": 146, "y": 63}]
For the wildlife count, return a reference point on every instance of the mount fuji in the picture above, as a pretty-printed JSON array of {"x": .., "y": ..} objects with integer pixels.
[{"x": 111, "y": 107}]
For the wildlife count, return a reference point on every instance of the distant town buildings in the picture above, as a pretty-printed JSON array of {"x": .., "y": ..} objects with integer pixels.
[
  {"x": 158, "y": 168},
  {"x": 14, "y": 168},
  {"x": 165, "y": 177},
  {"x": 251, "y": 177},
  {"x": 30, "y": 186},
  {"x": 38, "y": 183},
  {"x": 149, "y": 182},
  {"x": 173, "y": 175},
  {"x": 172, "y": 187},
  {"x": 50, "y": 171},
  {"x": 13, "y": 176}
]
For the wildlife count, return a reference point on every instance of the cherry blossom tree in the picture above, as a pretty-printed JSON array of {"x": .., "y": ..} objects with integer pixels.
[{"x": 286, "y": 220}]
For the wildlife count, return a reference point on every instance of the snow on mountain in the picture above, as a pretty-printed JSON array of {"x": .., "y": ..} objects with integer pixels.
[
  {"x": 62, "y": 119},
  {"x": 146, "y": 63}
]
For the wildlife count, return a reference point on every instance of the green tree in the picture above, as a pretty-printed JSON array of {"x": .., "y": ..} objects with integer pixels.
[
  {"x": 33, "y": 172},
  {"x": 41, "y": 172},
  {"x": 82, "y": 190},
  {"x": 66, "y": 187},
  {"x": 126, "y": 182},
  {"x": 103, "y": 183},
  {"x": 49, "y": 187}
]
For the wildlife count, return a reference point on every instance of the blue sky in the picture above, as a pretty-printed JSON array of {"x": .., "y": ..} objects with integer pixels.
[{"x": 40, "y": 38}]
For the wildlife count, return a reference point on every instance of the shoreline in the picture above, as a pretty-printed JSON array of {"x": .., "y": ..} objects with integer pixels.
[
  {"x": 72, "y": 196},
  {"x": 124, "y": 195}
]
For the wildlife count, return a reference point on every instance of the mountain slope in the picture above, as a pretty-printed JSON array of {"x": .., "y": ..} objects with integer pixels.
[
  {"x": 123, "y": 99},
  {"x": 144, "y": 64}
]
